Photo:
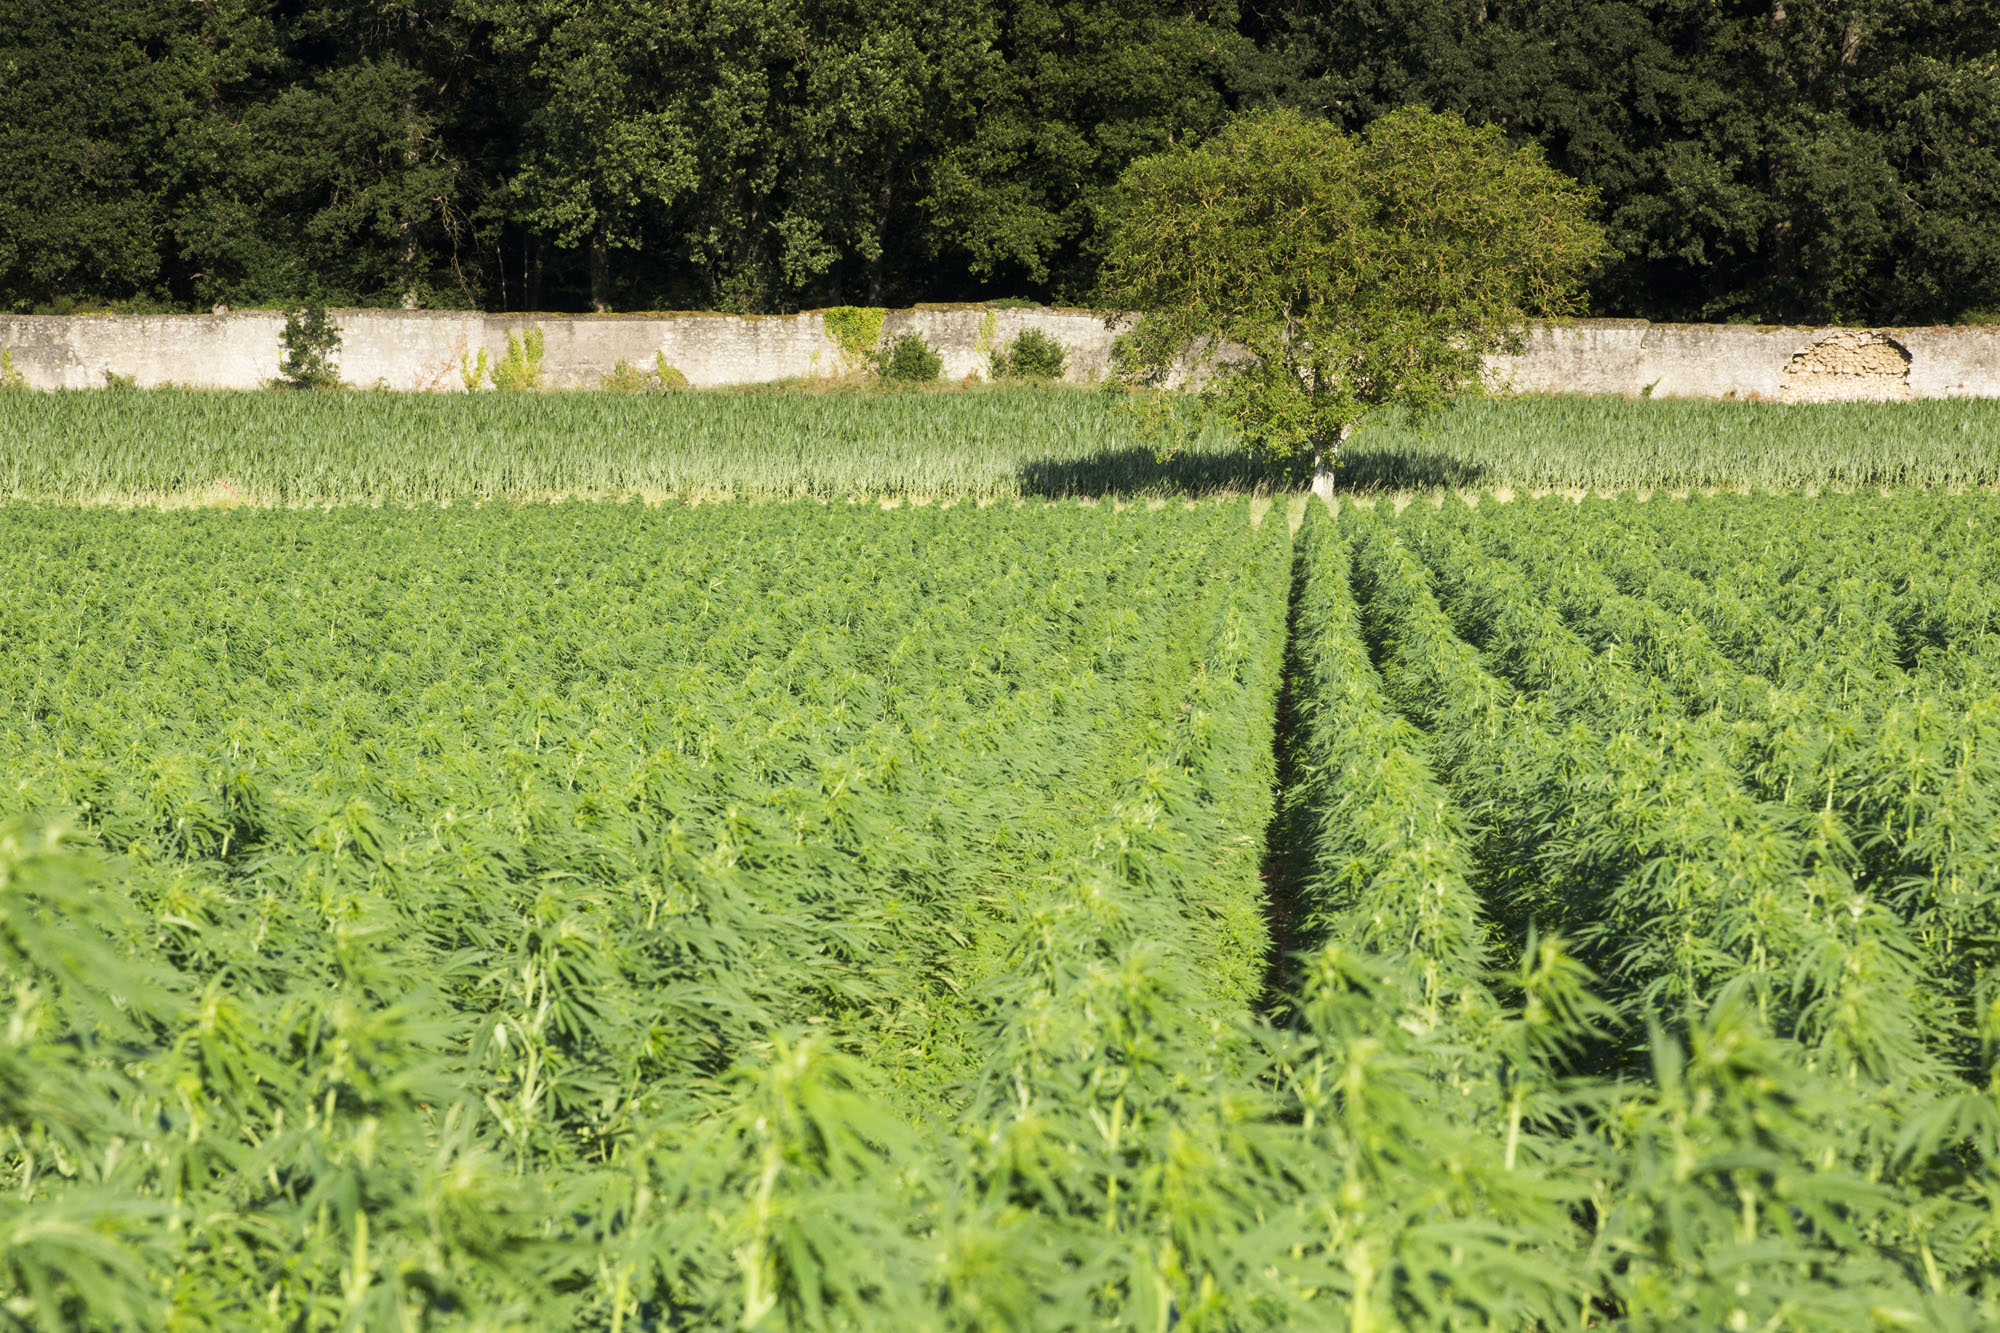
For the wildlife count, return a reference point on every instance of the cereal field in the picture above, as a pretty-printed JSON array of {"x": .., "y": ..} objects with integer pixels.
[{"x": 223, "y": 448}]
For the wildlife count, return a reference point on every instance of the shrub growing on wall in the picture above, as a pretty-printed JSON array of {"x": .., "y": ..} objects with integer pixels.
[
  {"x": 1031, "y": 355},
  {"x": 310, "y": 339},
  {"x": 520, "y": 371},
  {"x": 628, "y": 378},
  {"x": 909, "y": 359},
  {"x": 855, "y": 330},
  {"x": 475, "y": 372}
]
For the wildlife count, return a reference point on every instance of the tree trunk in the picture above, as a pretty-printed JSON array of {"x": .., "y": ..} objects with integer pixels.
[
  {"x": 412, "y": 155},
  {"x": 878, "y": 260},
  {"x": 1324, "y": 464},
  {"x": 600, "y": 278},
  {"x": 408, "y": 266}
]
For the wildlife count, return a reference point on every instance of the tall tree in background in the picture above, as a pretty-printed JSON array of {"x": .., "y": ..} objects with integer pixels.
[
  {"x": 610, "y": 143},
  {"x": 359, "y": 140},
  {"x": 792, "y": 150},
  {"x": 1778, "y": 159},
  {"x": 1774, "y": 159},
  {"x": 92, "y": 98},
  {"x": 1069, "y": 93}
]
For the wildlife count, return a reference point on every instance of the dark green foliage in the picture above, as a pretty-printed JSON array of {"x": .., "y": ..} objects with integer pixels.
[
  {"x": 309, "y": 341},
  {"x": 1806, "y": 160},
  {"x": 1030, "y": 355},
  {"x": 1814, "y": 159},
  {"x": 518, "y": 154},
  {"x": 908, "y": 358}
]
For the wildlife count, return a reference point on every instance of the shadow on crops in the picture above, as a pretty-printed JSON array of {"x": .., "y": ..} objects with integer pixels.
[
  {"x": 1289, "y": 835},
  {"x": 1139, "y": 471},
  {"x": 1409, "y": 469}
]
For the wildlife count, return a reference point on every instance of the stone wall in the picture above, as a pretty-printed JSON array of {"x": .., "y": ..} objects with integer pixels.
[
  {"x": 421, "y": 350},
  {"x": 1780, "y": 363}
]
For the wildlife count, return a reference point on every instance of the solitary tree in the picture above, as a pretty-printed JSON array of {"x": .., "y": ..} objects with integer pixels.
[{"x": 1302, "y": 278}]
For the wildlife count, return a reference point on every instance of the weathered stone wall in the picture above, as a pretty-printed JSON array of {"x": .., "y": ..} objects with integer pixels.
[
  {"x": 1785, "y": 363},
  {"x": 421, "y": 350}
]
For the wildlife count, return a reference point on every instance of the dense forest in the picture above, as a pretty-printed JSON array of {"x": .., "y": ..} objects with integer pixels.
[{"x": 1754, "y": 159}]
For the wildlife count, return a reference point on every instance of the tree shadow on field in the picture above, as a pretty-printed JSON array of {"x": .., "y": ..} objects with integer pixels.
[
  {"x": 1400, "y": 468},
  {"x": 1139, "y": 471}
]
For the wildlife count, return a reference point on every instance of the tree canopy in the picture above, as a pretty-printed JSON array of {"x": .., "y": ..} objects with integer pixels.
[
  {"x": 1806, "y": 160},
  {"x": 1306, "y": 277}
]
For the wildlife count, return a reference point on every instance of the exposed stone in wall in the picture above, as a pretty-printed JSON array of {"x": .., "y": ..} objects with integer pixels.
[{"x": 1848, "y": 365}]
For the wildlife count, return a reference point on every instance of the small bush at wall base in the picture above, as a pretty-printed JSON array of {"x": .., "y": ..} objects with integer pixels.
[
  {"x": 520, "y": 371},
  {"x": 11, "y": 379},
  {"x": 113, "y": 380},
  {"x": 628, "y": 378},
  {"x": 475, "y": 372},
  {"x": 310, "y": 339},
  {"x": 909, "y": 359},
  {"x": 1032, "y": 355}
]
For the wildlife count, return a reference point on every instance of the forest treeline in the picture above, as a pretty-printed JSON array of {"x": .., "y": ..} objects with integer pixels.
[{"x": 1766, "y": 159}]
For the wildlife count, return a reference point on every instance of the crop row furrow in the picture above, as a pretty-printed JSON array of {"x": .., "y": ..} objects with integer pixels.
[{"x": 1642, "y": 844}]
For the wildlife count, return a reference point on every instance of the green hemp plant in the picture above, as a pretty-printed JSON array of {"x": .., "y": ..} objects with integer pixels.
[{"x": 1301, "y": 279}]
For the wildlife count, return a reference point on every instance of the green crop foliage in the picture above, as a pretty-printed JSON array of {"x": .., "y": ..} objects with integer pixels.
[
  {"x": 422, "y": 907},
  {"x": 818, "y": 915},
  {"x": 402, "y": 448}
]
